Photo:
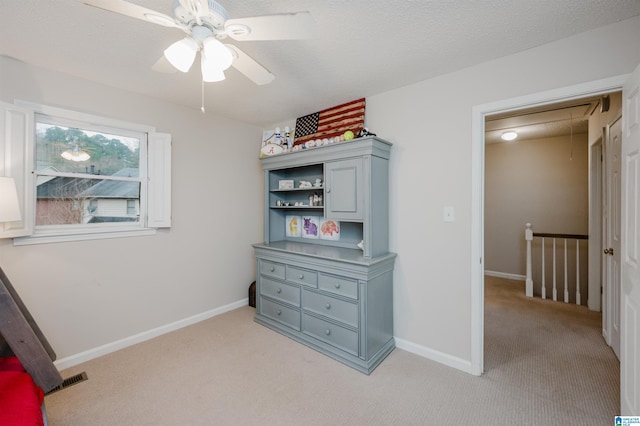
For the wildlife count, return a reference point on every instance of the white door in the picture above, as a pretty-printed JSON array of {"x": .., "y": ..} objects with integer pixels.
[
  {"x": 630, "y": 255},
  {"x": 611, "y": 219}
]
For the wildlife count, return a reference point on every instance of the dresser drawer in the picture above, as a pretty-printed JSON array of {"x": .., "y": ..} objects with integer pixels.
[
  {"x": 272, "y": 269},
  {"x": 280, "y": 313},
  {"x": 340, "y": 310},
  {"x": 280, "y": 291},
  {"x": 302, "y": 276},
  {"x": 340, "y": 337},
  {"x": 347, "y": 287}
]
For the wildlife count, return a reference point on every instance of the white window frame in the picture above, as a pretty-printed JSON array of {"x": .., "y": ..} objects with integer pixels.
[{"x": 18, "y": 124}]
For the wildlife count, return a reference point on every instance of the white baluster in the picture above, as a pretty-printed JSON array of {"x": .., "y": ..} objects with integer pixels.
[
  {"x": 566, "y": 283},
  {"x": 528, "y": 235},
  {"x": 555, "y": 289},
  {"x": 544, "y": 287},
  {"x": 577, "y": 272}
]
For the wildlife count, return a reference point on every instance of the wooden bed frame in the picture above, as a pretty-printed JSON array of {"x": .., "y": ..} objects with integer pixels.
[{"x": 21, "y": 336}]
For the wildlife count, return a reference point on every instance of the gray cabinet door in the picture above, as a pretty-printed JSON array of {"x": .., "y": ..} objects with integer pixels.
[{"x": 344, "y": 189}]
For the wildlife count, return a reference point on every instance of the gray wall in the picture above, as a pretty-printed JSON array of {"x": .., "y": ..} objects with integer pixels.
[
  {"x": 91, "y": 293},
  {"x": 532, "y": 181},
  {"x": 431, "y": 128}
]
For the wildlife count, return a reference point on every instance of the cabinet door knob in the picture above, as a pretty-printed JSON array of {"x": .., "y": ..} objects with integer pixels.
[
  {"x": 272, "y": 269},
  {"x": 279, "y": 312},
  {"x": 608, "y": 251},
  {"x": 337, "y": 285},
  {"x": 278, "y": 290},
  {"x": 328, "y": 305},
  {"x": 327, "y": 332},
  {"x": 328, "y": 190},
  {"x": 301, "y": 276}
]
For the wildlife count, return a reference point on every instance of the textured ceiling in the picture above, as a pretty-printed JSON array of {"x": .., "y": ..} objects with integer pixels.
[{"x": 361, "y": 47}]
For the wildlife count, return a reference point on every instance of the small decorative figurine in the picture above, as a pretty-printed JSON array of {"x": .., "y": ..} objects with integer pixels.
[
  {"x": 287, "y": 137},
  {"x": 365, "y": 132}
]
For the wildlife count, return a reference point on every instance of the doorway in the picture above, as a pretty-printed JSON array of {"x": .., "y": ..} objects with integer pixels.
[{"x": 479, "y": 113}]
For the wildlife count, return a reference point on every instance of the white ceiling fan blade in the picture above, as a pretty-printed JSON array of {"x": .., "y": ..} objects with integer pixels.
[
  {"x": 249, "y": 67},
  {"x": 286, "y": 26},
  {"x": 133, "y": 10},
  {"x": 164, "y": 66}
]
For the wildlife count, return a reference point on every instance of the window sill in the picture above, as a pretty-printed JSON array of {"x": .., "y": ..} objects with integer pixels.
[{"x": 52, "y": 238}]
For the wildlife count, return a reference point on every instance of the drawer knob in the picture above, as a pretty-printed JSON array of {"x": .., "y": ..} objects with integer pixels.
[
  {"x": 327, "y": 332},
  {"x": 278, "y": 290},
  {"x": 328, "y": 305},
  {"x": 301, "y": 276},
  {"x": 337, "y": 285},
  {"x": 272, "y": 269},
  {"x": 279, "y": 312}
]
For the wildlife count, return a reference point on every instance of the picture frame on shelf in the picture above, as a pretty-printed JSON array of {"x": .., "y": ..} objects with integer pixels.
[
  {"x": 293, "y": 226},
  {"x": 270, "y": 144},
  {"x": 310, "y": 227},
  {"x": 329, "y": 229},
  {"x": 285, "y": 184}
]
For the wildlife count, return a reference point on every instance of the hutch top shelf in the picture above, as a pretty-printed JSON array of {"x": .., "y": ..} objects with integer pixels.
[{"x": 349, "y": 187}]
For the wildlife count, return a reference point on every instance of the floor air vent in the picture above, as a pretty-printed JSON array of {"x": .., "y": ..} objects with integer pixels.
[{"x": 69, "y": 381}]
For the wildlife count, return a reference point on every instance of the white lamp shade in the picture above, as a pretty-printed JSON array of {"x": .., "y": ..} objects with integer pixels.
[
  {"x": 218, "y": 55},
  {"x": 210, "y": 72},
  {"x": 182, "y": 53},
  {"x": 9, "y": 205}
]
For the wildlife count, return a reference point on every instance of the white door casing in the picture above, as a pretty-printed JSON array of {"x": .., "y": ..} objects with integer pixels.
[
  {"x": 594, "y": 88},
  {"x": 630, "y": 248},
  {"x": 611, "y": 243}
]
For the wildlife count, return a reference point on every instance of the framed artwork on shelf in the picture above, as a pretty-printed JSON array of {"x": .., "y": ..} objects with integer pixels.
[
  {"x": 285, "y": 184},
  {"x": 293, "y": 226},
  {"x": 310, "y": 227},
  {"x": 329, "y": 229},
  {"x": 331, "y": 122}
]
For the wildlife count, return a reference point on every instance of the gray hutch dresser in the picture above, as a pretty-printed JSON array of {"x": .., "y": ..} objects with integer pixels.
[{"x": 324, "y": 271}]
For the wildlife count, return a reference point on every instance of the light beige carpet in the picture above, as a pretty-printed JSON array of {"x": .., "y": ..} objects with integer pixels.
[{"x": 545, "y": 366}]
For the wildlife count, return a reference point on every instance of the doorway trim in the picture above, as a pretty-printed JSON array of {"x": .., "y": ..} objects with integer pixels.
[{"x": 478, "y": 114}]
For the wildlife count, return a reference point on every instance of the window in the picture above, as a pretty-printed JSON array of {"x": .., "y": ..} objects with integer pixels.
[
  {"x": 132, "y": 207},
  {"x": 85, "y": 176}
]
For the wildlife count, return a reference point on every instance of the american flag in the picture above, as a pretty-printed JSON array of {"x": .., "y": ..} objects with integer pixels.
[{"x": 331, "y": 122}]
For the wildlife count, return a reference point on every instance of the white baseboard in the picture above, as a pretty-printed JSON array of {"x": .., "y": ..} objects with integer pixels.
[
  {"x": 437, "y": 356},
  {"x": 90, "y": 354},
  {"x": 506, "y": 275}
]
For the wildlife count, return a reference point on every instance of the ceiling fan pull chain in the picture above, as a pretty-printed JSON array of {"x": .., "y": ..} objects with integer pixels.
[{"x": 202, "y": 105}]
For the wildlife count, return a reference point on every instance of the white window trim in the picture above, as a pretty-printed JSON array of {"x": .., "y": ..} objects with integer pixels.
[
  {"x": 94, "y": 120},
  {"x": 158, "y": 187}
]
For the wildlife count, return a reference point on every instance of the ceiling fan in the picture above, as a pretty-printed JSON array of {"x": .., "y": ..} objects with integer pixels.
[{"x": 206, "y": 24}]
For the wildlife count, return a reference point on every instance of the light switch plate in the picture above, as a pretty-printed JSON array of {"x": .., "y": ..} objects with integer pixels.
[{"x": 448, "y": 214}]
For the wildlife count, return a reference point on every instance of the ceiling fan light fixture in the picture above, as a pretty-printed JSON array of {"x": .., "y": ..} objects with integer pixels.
[
  {"x": 210, "y": 72},
  {"x": 217, "y": 54},
  {"x": 509, "y": 136},
  {"x": 75, "y": 154},
  {"x": 182, "y": 53}
]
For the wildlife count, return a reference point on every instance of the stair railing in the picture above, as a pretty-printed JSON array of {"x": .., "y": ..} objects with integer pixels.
[{"x": 529, "y": 284}]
